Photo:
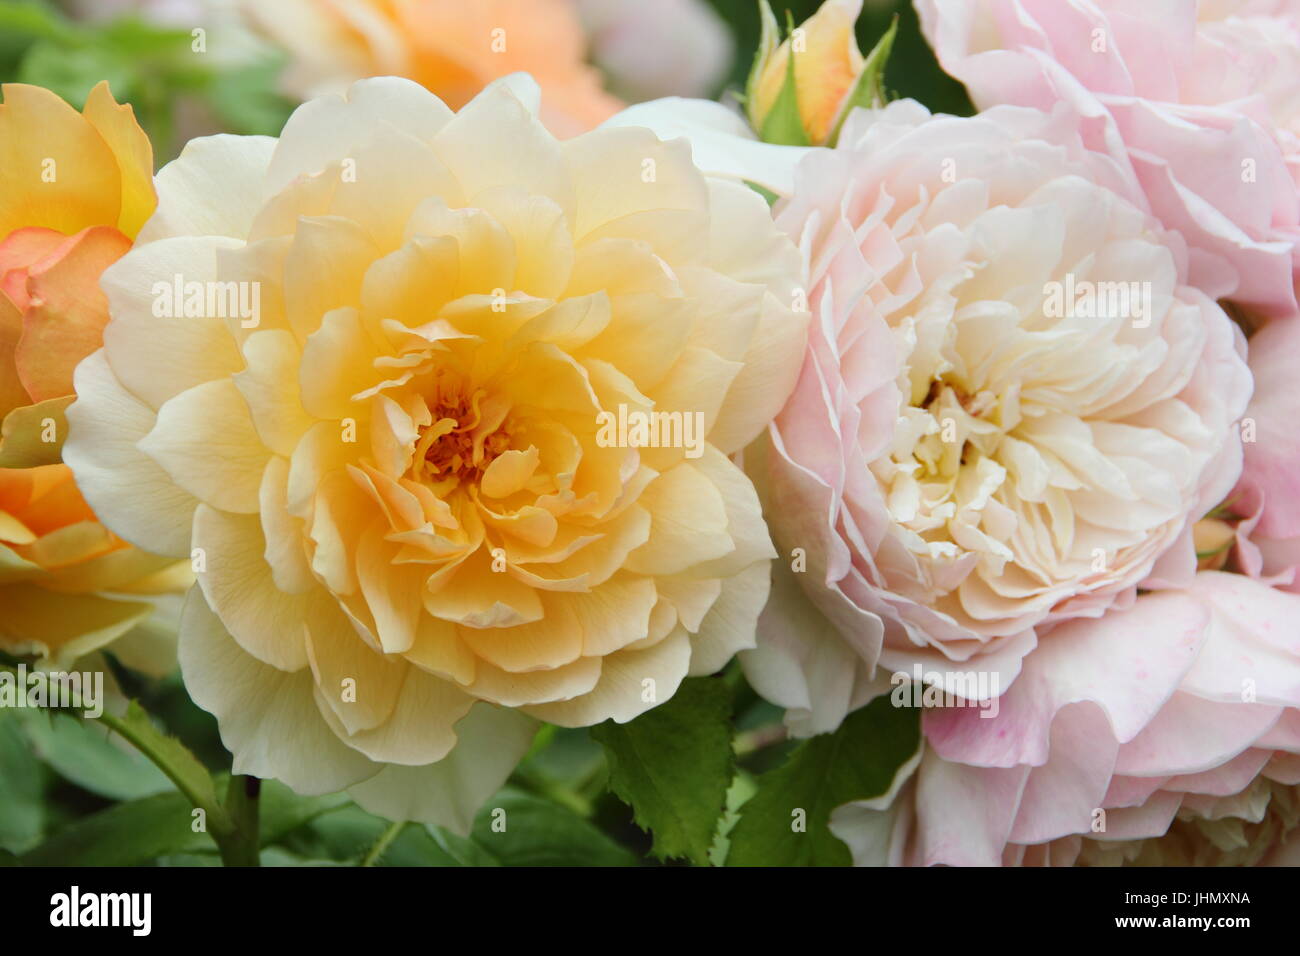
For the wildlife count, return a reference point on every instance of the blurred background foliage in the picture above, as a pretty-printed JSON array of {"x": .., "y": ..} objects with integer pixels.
[{"x": 177, "y": 91}]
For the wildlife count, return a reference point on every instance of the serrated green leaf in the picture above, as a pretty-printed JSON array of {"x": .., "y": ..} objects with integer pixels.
[
  {"x": 742, "y": 788},
  {"x": 856, "y": 762},
  {"x": 673, "y": 765},
  {"x": 869, "y": 91}
]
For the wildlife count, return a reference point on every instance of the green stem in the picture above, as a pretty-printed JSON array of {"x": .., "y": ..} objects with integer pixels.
[
  {"x": 382, "y": 844},
  {"x": 239, "y": 847},
  {"x": 146, "y": 741},
  {"x": 747, "y": 742}
]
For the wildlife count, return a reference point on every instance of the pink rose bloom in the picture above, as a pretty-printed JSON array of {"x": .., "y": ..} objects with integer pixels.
[
  {"x": 1164, "y": 734},
  {"x": 987, "y": 440},
  {"x": 1200, "y": 101},
  {"x": 971, "y": 479}
]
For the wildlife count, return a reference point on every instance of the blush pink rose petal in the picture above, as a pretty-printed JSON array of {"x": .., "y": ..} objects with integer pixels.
[
  {"x": 1271, "y": 446},
  {"x": 1201, "y": 101},
  {"x": 1167, "y": 734}
]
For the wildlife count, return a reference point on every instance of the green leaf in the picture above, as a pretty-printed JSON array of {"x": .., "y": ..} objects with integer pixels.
[
  {"x": 180, "y": 766},
  {"x": 462, "y": 850},
  {"x": 742, "y": 788},
  {"x": 782, "y": 124},
  {"x": 518, "y": 829},
  {"x": 126, "y": 834},
  {"x": 344, "y": 835},
  {"x": 673, "y": 765},
  {"x": 22, "y": 814},
  {"x": 856, "y": 762},
  {"x": 282, "y": 811},
  {"x": 869, "y": 91},
  {"x": 564, "y": 766},
  {"x": 188, "y": 860},
  {"x": 82, "y": 753},
  {"x": 276, "y": 856},
  {"x": 536, "y": 832}
]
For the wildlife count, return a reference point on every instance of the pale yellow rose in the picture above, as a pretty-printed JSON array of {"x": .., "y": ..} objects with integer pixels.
[{"x": 414, "y": 529}]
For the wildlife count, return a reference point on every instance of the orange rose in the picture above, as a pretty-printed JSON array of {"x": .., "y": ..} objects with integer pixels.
[
  {"x": 451, "y": 47},
  {"x": 75, "y": 188}
]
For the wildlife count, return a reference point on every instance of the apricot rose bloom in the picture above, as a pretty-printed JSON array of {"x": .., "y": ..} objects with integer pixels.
[
  {"x": 451, "y": 47},
  {"x": 417, "y": 541},
  {"x": 74, "y": 189}
]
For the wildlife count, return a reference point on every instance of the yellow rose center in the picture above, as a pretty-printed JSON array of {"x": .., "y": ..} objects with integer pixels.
[{"x": 466, "y": 434}]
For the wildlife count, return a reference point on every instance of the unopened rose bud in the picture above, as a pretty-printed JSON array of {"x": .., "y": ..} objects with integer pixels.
[
  {"x": 1213, "y": 538},
  {"x": 800, "y": 91}
]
